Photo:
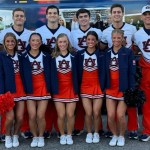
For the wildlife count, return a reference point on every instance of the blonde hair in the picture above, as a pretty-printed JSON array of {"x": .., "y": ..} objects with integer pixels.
[
  {"x": 64, "y": 22},
  {"x": 10, "y": 34},
  {"x": 56, "y": 51}
]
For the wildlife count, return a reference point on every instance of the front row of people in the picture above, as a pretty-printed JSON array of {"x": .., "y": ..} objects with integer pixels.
[{"x": 67, "y": 77}]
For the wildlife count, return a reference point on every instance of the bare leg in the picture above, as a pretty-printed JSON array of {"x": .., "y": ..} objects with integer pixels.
[
  {"x": 87, "y": 104},
  {"x": 19, "y": 112},
  {"x": 121, "y": 110},
  {"x": 31, "y": 106},
  {"x": 41, "y": 109},
  {"x": 9, "y": 121},
  {"x": 111, "y": 112},
  {"x": 70, "y": 109},
  {"x": 61, "y": 112},
  {"x": 97, "y": 105}
]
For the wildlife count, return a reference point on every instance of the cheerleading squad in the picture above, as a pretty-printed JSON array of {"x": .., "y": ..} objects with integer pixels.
[{"x": 54, "y": 76}]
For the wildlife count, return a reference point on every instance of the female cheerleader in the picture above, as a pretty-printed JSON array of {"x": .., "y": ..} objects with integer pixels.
[
  {"x": 36, "y": 68},
  {"x": 120, "y": 71},
  {"x": 64, "y": 86},
  {"x": 91, "y": 78},
  {"x": 10, "y": 81}
]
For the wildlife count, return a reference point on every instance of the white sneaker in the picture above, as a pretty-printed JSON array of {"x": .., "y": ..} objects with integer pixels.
[
  {"x": 8, "y": 142},
  {"x": 34, "y": 142},
  {"x": 96, "y": 138},
  {"x": 69, "y": 139},
  {"x": 121, "y": 141},
  {"x": 89, "y": 138},
  {"x": 113, "y": 141},
  {"x": 15, "y": 140},
  {"x": 63, "y": 140},
  {"x": 41, "y": 142}
]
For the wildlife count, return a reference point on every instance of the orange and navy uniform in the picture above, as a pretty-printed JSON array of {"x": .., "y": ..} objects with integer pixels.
[
  {"x": 10, "y": 75},
  {"x": 39, "y": 85},
  {"x": 10, "y": 78},
  {"x": 19, "y": 94},
  {"x": 90, "y": 86},
  {"x": 91, "y": 71},
  {"x": 106, "y": 39},
  {"x": 126, "y": 70},
  {"x": 36, "y": 75},
  {"x": 113, "y": 92},
  {"x": 66, "y": 90},
  {"x": 64, "y": 78}
]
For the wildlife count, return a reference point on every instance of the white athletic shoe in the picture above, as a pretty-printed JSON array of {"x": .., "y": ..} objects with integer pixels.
[
  {"x": 69, "y": 139},
  {"x": 63, "y": 140},
  {"x": 41, "y": 142},
  {"x": 113, "y": 141},
  {"x": 34, "y": 142},
  {"x": 15, "y": 140},
  {"x": 96, "y": 137},
  {"x": 89, "y": 138},
  {"x": 8, "y": 142},
  {"x": 121, "y": 141}
]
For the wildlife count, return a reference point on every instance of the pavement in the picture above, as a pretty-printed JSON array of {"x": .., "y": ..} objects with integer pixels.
[{"x": 80, "y": 144}]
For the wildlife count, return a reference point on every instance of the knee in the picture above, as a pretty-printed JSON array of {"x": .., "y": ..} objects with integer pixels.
[
  {"x": 96, "y": 114},
  {"x": 61, "y": 116},
  {"x": 19, "y": 118},
  {"x": 111, "y": 117},
  {"x": 40, "y": 117},
  {"x": 121, "y": 117},
  {"x": 32, "y": 116},
  {"x": 70, "y": 115},
  {"x": 89, "y": 114},
  {"x": 9, "y": 116}
]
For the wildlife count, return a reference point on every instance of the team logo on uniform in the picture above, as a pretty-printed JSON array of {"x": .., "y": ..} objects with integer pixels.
[
  {"x": 90, "y": 64},
  {"x": 146, "y": 45},
  {"x": 36, "y": 67},
  {"x": 81, "y": 42},
  {"x": 51, "y": 41},
  {"x": 114, "y": 64},
  {"x": 21, "y": 45},
  {"x": 64, "y": 66},
  {"x": 16, "y": 66}
]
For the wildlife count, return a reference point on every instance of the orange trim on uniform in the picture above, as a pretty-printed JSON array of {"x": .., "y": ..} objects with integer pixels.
[
  {"x": 39, "y": 88},
  {"x": 90, "y": 86},
  {"x": 20, "y": 94},
  {"x": 113, "y": 92},
  {"x": 66, "y": 90}
]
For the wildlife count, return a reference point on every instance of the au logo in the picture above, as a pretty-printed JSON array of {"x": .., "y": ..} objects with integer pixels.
[
  {"x": 36, "y": 65},
  {"x": 64, "y": 64},
  {"x": 90, "y": 62}
]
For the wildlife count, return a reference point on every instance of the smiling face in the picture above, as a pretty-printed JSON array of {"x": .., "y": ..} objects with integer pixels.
[
  {"x": 52, "y": 15},
  {"x": 91, "y": 41},
  {"x": 117, "y": 14},
  {"x": 35, "y": 42},
  {"x": 84, "y": 19},
  {"x": 10, "y": 43},
  {"x": 63, "y": 44},
  {"x": 146, "y": 18},
  {"x": 117, "y": 39},
  {"x": 19, "y": 18}
]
